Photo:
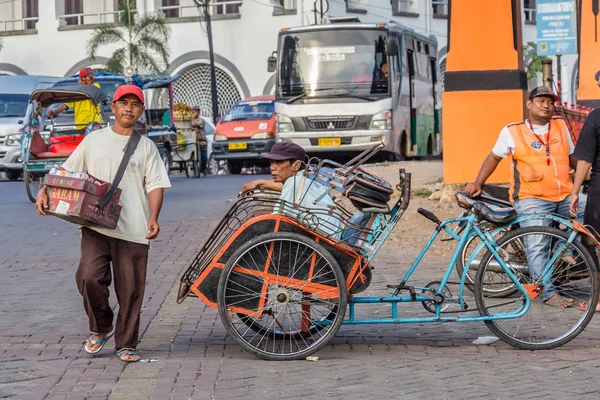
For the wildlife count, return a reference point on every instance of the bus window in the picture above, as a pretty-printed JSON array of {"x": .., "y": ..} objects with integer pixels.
[{"x": 411, "y": 63}]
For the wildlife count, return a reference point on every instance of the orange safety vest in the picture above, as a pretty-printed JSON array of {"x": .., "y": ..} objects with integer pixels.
[{"x": 534, "y": 175}]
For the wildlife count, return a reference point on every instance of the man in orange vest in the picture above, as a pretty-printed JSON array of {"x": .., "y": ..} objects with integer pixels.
[{"x": 541, "y": 148}]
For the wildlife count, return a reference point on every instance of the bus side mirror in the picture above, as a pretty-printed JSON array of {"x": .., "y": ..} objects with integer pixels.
[
  {"x": 271, "y": 63},
  {"x": 392, "y": 47}
]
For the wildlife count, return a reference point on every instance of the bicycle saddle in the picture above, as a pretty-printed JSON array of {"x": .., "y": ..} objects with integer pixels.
[{"x": 499, "y": 216}]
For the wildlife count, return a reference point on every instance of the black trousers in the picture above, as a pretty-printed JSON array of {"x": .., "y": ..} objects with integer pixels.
[{"x": 129, "y": 262}]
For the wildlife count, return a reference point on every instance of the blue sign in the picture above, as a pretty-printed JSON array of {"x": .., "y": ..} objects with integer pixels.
[{"x": 556, "y": 22}]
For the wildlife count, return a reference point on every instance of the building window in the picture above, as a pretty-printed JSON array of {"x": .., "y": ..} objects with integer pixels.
[
  {"x": 529, "y": 10},
  {"x": 440, "y": 8},
  {"x": 31, "y": 11},
  {"x": 74, "y": 7},
  {"x": 405, "y": 8},
  {"x": 231, "y": 7},
  {"x": 171, "y": 12}
]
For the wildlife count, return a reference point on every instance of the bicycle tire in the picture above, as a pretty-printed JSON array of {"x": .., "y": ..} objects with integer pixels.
[
  {"x": 233, "y": 290},
  {"x": 470, "y": 279},
  {"x": 536, "y": 338}
]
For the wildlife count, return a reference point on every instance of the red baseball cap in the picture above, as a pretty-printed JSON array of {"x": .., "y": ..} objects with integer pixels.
[
  {"x": 83, "y": 72},
  {"x": 124, "y": 90}
]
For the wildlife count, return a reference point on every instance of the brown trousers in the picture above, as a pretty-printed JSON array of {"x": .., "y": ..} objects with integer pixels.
[{"x": 129, "y": 263}]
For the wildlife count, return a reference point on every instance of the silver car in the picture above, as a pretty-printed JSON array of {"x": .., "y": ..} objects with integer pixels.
[{"x": 14, "y": 107}]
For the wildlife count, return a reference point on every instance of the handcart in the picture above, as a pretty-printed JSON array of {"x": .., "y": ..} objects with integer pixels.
[
  {"x": 285, "y": 275},
  {"x": 47, "y": 143},
  {"x": 187, "y": 154}
]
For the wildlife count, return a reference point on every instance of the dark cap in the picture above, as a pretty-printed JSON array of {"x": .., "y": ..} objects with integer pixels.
[
  {"x": 542, "y": 91},
  {"x": 124, "y": 90},
  {"x": 86, "y": 72},
  {"x": 196, "y": 108},
  {"x": 286, "y": 151}
]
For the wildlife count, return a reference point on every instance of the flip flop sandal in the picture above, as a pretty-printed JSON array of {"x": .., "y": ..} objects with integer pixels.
[
  {"x": 124, "y": 355},
  {"x": 556, "y": 303},
  {"x": 101, "y": 342},
  {"x": 583, "y": 306}
]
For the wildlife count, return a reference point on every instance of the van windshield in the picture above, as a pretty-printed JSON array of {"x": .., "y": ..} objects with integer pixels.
[
  {"x": 13, "y": 105},
  {"x": 250, "y": 111}
]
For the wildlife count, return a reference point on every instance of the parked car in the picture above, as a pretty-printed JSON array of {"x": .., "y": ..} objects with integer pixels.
[
  {"x": 14, "y": 107},
  {"x": 245, "y": 133}
]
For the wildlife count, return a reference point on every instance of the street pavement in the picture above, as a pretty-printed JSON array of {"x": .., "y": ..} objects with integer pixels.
[{"x": 43, "y": 326}]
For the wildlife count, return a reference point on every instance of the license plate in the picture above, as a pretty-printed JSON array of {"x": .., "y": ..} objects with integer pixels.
[
  {"x": 237, "y": 146},
  {"x": 330, "y": 141}
]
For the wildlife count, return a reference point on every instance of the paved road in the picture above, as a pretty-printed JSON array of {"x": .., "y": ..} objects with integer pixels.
[{"x": 42, "y": 327}]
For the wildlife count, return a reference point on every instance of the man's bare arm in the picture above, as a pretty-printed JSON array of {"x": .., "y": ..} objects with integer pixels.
[
  {"x": 264, "y": 183},
  {"x": 487, "y": 168}
]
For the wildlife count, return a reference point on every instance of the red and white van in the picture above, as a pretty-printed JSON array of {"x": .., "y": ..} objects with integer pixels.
[{"x": 245, "y": 133}]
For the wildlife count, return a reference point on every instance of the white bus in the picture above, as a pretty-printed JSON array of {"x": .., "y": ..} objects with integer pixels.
[{"x": 344, "y": 86}]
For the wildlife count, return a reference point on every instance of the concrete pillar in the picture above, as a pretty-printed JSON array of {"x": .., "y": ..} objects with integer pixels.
[
  {"x": 485, "y": 84},
  {"x": 588, "y": 92}
]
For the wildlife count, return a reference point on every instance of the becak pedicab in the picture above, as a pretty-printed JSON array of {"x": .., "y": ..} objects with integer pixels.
[
  {"x": 47, "y": 143},
  {"x": 284, "y": 272}
]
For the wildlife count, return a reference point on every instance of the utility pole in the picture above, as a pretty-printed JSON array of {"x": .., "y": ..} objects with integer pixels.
[{"x": 213, "y": 79}]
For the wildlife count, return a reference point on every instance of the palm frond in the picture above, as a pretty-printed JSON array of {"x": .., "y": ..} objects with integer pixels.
[
  {"x": 127, "y": 13},
  {"x": 103, "y": 36},
  {"x": 152, "y": 25},
  {"x": 157, "y": 46},
  {"x": 144, "y": 62},
  {"x": 116, "y": 62}
]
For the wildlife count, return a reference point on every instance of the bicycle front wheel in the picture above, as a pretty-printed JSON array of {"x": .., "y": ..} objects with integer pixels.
[{"x": 574, "y": 276}]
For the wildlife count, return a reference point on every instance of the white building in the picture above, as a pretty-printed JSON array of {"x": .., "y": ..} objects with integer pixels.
[{"x": 49, "y": 37}]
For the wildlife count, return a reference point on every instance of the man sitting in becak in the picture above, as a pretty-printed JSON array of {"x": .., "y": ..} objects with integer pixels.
[{"x": 286, "y": 162}]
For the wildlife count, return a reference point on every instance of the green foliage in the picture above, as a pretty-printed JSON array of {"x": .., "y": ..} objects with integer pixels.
[
  {"x": 535, "y": 65},
  {"x": 143, "y": 41}
]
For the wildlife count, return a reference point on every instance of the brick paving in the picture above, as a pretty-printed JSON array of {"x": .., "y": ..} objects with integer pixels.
[{"x": 42, "y": 327}]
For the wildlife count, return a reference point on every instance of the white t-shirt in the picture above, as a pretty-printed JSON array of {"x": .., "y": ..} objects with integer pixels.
[
  {"x": 310, "y": 193},
  {"x": 100, "y": 154},
  {"x": 505, "y": 145}
]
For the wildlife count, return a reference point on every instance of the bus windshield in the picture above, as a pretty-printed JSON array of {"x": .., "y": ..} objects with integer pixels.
[{"x": 320, "y": 63}]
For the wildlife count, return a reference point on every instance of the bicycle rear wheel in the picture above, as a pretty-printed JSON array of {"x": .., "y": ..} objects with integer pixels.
[
  {"x": 496, "y": 282},
  {"x": 543, "y": 326}
]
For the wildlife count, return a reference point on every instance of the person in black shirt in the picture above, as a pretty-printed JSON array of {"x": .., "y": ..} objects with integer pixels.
[{"x": 587, "y": 151}]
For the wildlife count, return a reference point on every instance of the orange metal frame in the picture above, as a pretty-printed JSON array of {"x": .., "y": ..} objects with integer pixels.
[{"x": 322, "y": 291}]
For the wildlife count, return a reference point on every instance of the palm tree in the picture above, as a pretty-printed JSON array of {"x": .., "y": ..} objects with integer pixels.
[{"x": 143, "y": 41}]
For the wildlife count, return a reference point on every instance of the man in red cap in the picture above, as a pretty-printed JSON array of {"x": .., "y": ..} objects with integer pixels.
[
  {"x": 84, "y": 111},
  {"x": 126, "y": 247}
]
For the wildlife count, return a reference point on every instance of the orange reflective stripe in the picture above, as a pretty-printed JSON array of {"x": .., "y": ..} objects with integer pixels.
[{"x": 532, "y": 175}]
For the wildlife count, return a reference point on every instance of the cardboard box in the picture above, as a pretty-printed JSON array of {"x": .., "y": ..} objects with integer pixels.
[{"x": 75, "y": 200}]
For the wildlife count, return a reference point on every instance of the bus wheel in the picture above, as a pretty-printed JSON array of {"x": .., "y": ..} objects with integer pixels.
[
  {"x": 401, "y": 156},
  {"x": 429, "y": 146}
]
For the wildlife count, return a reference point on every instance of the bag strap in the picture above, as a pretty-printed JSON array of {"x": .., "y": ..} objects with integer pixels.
[{"x": 132, "y": 144}]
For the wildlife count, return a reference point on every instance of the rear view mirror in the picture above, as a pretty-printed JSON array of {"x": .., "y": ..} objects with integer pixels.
[
  {"x": 272, "y": 63},
  {"x": 392, "y": 47}
]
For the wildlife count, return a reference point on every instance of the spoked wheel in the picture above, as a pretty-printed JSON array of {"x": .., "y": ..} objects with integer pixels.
[
  {"x": 193, "y": 166},
  {"x": 264, "y": 326},
  {"x": 495, "y": 283},
  {"x": 574, "y": 276},
  {"x": 33, "y": 184},
  {"x": 282, "y": 296}
]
